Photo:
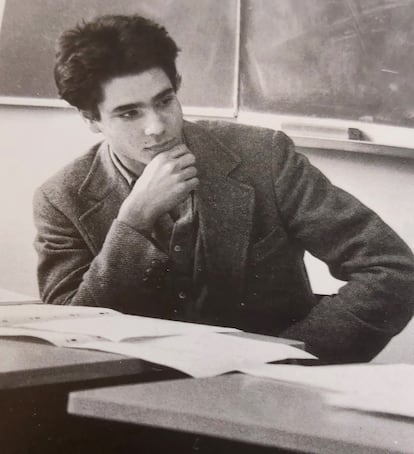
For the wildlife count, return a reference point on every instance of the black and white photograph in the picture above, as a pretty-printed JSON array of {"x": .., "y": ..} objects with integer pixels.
[{"x": 207, "y": 240}]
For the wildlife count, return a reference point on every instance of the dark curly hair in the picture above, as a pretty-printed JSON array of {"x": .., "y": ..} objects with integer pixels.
[{"x": 110, "y": 46}]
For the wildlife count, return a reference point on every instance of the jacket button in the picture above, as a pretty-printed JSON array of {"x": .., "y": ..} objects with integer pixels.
[
  {"x": 182, "y": 295},
  {"x": 242, "y": 304},
  {"x": 177, "y": 248}
]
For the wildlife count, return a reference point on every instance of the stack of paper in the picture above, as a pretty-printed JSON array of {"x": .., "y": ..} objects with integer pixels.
[
  {"x": 26, "y": 313},
  {"x": 202, "y": 354},
  {"x": 365, "y": 387},
  {"x": 196, "y": 349}
]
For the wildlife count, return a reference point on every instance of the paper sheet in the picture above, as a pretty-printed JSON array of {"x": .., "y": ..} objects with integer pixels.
[
  {"x": 369, "y": 387},
  {"x": 202, "y": 354},
  {"x": 58, "y": 339},
  {"x": 121, "y": 327},
  {"x": 35, "y": 313},
  {"x": 399, "y": 401}
]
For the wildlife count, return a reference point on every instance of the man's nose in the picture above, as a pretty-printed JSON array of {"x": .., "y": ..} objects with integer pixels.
[{"x": 154, "y": 124}]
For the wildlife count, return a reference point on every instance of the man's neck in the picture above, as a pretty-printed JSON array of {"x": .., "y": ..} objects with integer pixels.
[{"x": 129, "y": 176}]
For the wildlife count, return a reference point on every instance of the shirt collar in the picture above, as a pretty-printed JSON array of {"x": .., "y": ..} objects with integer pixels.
[{"x": 130, "y": 177}]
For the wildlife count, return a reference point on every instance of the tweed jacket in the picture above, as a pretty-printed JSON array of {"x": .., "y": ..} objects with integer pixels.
[{"x": 261, "y": 205}]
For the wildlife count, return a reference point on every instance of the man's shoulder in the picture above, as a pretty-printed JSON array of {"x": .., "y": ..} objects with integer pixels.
[
  {"x": 227, "y": 129},
  {"x": 69, "y": 178},
  {"x": 246, "y": 140}
]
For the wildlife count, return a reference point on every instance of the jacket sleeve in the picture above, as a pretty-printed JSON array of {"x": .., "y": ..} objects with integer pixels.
[
  {"x": 122, "y": 275},
  {"x": 358, "y": 247}
]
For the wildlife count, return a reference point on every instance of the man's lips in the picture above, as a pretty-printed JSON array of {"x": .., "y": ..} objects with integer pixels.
[{"x": 167, "y": 145}]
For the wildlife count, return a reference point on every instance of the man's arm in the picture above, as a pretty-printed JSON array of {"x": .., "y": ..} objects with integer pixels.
[
  {"x": 127, "y": 273},
  {"x": 69, "y": 272},
  {"x": 377, "y": 301}
]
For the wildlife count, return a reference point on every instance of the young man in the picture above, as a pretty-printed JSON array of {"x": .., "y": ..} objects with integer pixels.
[{"x": 205, "y": 223}]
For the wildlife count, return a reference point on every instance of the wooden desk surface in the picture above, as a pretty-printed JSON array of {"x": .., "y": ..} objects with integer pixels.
[
  {"x": 26, "y": 364},
  {"x": 247, "y": 409}
]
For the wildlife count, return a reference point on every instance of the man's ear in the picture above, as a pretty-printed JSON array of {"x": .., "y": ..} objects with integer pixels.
[
  {"x": 90, "y": 121},
  {"x": 178, "y": 81}
]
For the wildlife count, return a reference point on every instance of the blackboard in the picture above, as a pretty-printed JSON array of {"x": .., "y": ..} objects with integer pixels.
[
  {"x": 205, "y": 30},
  {"x": 350, "y": 59},
  {"x": 329, "y": 58}
]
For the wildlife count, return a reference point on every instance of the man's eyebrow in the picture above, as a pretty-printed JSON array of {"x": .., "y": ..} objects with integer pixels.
[
  {"x": 132, "y": 105},
  {"x": 166, "y": 92},
  {"x": 135, "y": 105}
]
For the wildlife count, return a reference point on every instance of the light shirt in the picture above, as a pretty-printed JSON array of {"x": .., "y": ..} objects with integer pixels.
[{"x": 130, "y": 177}]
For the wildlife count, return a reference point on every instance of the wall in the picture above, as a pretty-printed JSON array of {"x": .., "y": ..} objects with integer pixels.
[{"x": 34, "y": 142}]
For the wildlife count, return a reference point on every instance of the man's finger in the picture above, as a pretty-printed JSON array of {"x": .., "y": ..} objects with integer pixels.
[
  {"x": 177, "y": 151},
  {"x": 186, "y": 160},
  {"x": 188, "y": 173}
]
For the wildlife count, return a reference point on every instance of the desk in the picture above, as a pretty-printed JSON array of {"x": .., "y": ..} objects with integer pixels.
[
  {"x": 35, "y": 380},
  {"x": 260, "y": 412},
  {"x": 35, "y": 363},
  {"x": 25, "y": 364}
]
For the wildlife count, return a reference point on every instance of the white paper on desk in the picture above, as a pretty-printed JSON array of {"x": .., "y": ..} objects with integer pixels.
[
  {"x": 202, "y": 354},
  {"x": 58, "y": 339},
  {"x": 385, "y": 388},
  {"x": 394, "y": 401},
  {"x": 122, "y": 327},
  {"x": 10, "y": 315}
]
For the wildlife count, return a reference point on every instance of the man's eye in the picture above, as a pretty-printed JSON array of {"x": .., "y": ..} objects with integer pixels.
[
  {"x": 166, "y": 101},
  {"x": 130, "y": 114}
]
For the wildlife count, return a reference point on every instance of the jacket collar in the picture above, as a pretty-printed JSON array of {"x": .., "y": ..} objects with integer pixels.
[
  {"x": 103, "y": 177},
  {"x": 213, "y": 157},
  {"x": 225, "y": 206},
  {"x": 103, "y": 191}
]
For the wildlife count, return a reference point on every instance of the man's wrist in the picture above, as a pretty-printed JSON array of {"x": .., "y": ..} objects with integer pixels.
[{"x": 141, "y": 223}]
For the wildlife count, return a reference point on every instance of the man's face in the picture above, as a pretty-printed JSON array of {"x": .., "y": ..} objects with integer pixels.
[{"x": 140, "y": 116}]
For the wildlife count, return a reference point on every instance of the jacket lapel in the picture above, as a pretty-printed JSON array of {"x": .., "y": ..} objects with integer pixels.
[
  {"x": 225, "y": 208},
  {"x": 104, "y": 189}
]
